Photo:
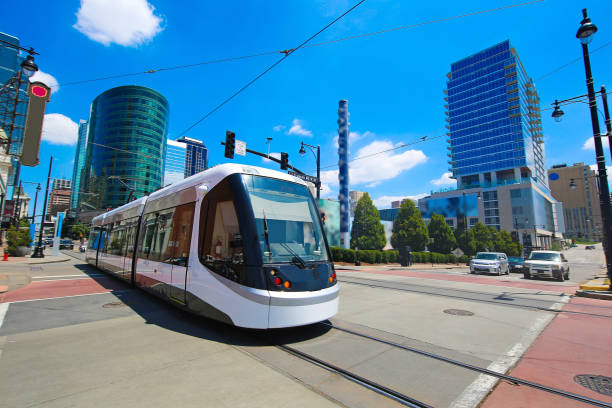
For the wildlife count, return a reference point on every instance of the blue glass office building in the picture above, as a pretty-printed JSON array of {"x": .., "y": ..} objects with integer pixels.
[
  {"x": 128, "y": 128},
  {"x": 196, "y": 156},
  {"x": 496, "y": 151},
  {"x": 174, "y": 164},
  {"x": 494, "y": 120},
  {"x": 79, "y": 163}
]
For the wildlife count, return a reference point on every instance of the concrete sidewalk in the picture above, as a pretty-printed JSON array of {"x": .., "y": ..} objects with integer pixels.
[
  {"x": 10, "y": 275},
  {"x": 573, "y": 349}
]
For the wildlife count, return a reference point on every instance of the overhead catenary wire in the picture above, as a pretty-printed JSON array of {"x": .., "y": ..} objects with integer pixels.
[{"x": 286, "y": 51}]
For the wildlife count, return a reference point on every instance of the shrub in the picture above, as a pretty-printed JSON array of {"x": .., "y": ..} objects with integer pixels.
[{"x": 16, "y": 238}]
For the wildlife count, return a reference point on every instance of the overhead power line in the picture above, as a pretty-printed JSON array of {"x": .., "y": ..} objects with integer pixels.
[{"x": 286, "y": 51}]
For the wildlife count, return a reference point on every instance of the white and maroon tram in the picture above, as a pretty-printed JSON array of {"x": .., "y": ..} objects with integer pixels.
[{"x": 239, "y": 244}]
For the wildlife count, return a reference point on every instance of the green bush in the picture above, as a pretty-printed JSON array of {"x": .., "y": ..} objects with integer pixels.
[{"x": 16, "y": 238}]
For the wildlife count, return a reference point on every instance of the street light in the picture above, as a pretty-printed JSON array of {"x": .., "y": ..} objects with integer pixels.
[
  {"x": 318, "y": 157},
  {"x": 585, "y": 35}
]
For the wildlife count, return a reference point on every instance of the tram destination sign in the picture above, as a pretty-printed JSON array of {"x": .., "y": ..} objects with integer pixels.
[{"x": 304, "y": 177}]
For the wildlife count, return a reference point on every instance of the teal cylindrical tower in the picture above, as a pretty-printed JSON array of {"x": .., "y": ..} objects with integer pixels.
[{"x": 128, "y": 128}]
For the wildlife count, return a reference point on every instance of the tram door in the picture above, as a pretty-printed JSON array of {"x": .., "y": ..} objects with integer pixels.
[{"x": 182, "y": 222}]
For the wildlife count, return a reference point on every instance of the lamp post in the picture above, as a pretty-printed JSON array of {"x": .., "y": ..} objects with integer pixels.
[
  {"x": 38, "y": 251},
  {"x": 585, "y": 35},
  {"x": 318, "y": 157}
]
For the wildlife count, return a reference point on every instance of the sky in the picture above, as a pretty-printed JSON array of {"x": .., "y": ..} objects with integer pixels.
[{"x": 393, "y": 79}]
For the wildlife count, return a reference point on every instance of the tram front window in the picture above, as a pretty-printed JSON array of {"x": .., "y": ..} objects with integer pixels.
[{"x": 287, "y": 221}]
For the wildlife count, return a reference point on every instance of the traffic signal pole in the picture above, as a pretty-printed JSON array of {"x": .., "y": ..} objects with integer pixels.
[{"x": 274, "y": 159}]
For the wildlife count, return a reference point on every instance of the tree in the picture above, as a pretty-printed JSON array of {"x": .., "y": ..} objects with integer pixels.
[
  {"x": 469, "y": 247},
  {"x": 79, "y": 231},
  {"x": 367, "y": 231},
  {"x": 443, "y": 238},
  {"x": 483, "y": 241},
  {"x": 409, "y": 228},
  {"x": 507, "y": 245}
]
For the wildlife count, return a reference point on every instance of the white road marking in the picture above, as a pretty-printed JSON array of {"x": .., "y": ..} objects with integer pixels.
[
  {"x": 57, "y": 280},
  {"x": 477, "y": 390},
  {"x": 557, "y": 306},
  {"x": 71, "y": 296},
  {"x": 3, "y": 309}
]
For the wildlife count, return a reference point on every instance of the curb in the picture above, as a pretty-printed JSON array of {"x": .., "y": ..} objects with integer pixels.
[
  {"x": 594, "y": 294},
  {"x": 600, "y": 284},
  {"x": 48, "y": 262}
]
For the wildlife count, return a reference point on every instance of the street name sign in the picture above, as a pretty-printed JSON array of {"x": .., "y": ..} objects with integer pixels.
[{"x": 304, "y": 177}]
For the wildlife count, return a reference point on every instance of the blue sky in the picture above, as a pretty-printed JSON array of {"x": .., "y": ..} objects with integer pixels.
[{"x": 394, "y": 81}]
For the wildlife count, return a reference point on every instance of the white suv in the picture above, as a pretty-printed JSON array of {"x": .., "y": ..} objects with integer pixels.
[
  {"x": 490, "y": 262},
  {"x": 548, "y": 264}
]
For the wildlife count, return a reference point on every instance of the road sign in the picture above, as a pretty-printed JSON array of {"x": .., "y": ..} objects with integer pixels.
[
  {"x": 240, "y": 148},
  {"x": 457, "y": 252},
  {"x": 304, "y": 177}
]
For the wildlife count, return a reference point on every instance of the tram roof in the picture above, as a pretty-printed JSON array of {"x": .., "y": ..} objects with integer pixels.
[{"x": 210, "y": 177}]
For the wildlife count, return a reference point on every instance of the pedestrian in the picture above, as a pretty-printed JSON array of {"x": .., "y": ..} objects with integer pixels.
[{"x": 409, "y": 258}]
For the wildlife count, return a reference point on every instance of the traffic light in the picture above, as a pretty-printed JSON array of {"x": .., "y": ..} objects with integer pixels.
[
  {"x": 230, "y": 144},
  {"x": 323, "y": 217},
  {"x": 38, "y": 94},
  {"x": 284, "y": 160}
]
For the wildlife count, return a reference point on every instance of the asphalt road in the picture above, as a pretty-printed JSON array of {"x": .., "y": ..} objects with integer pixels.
[{"x": 75, "y": 337}]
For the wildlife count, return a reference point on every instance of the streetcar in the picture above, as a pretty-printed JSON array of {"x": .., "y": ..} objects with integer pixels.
[{"x": 239, "y": 244}]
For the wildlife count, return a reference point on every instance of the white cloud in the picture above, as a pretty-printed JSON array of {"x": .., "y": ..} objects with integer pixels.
[
  {"x": 297, "y": 129},
  {"x": 59, "y": 129},
  {"x": 385, "y": 201},
  {"x": 444, "y": 180},
  {"x": 128, "y": 23},
  {"x": 46, "y": 79},
  {"x": 589, "y": 144},
  {"x": 278, "y": 128},
  {"x": 373, "y": 170}
]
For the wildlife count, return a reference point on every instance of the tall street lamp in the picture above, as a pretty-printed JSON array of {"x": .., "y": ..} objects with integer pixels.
[
  {"x": 38, "y": 251},
  {"x": 585, "y": 35},
  {"x": 318, "y": 157}
]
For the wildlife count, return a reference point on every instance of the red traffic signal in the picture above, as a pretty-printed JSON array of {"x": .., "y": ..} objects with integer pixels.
[{"x": 38, "y": 94}]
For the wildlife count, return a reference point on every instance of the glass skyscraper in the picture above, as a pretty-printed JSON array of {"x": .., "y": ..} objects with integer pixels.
[
  {"x": 496, "y": 150},
  {"x": 128, "y": 128},
  {"x": 10, "y": 64},
  {"x": 196, "y": 158},
  {"x": 79, "y": 163},
  {"x": 494, "y": 120},
  {"x": 174, "y": 165}
]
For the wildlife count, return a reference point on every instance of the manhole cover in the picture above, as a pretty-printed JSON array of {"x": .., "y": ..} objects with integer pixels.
[
  {"x": 458, "y": 312},
  {"x": 36, "y": 268},
  {"x": 114, "y": 304},
  {"x": 597, "y": 383}
]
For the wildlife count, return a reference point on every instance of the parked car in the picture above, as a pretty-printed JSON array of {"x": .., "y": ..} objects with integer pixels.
[
  {"x": 573, "y": 245},
  {"x": 516, "y": 263},
  {"x": 490, "y": 262},
  {"x": 547, "y": 264},
  {"x": 48, "y": 242},
  {"x": 83, "y": 248},
  {"x": 589, "y": 247},
  {"x": 66, "y": 244}
]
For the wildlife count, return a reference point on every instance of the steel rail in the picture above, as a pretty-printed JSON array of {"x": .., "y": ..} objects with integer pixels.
[
  {"x": 425, "y": 292},
  {"x": 514, "y": 380},
  {"x": 371, "y": 385}
]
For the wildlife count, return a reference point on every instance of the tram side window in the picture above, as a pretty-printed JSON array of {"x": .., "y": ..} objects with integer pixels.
[
  {"x": 92, "y": 242},
  {"x": 181, "y": 238},
  {"x": 161, "y": 249},
  {"x": 106, "y": 234},
  {"x": 150, "y": 225},
  {"x": 221, "y": 247},
  {"x": 116, "y": 239},
  {"x": 130, "y": 235}
]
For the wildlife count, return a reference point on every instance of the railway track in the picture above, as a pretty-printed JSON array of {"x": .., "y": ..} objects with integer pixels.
[{"x": 441, "y": 292}]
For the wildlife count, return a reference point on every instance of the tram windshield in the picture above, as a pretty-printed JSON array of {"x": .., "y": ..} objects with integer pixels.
[{"x": 287, "y": 221}]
